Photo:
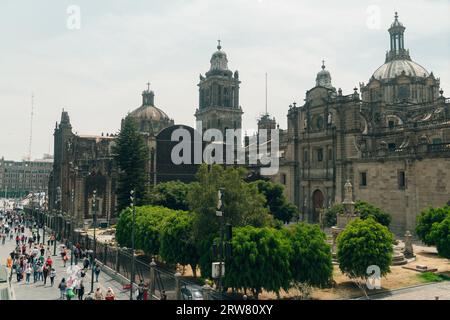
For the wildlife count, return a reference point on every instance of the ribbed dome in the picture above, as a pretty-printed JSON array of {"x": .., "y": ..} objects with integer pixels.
[
  {"x": 395, "y": 68},
  {"x": 149, "y": 112}
]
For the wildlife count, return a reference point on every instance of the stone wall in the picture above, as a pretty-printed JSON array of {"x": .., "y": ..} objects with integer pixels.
[{"x": 427, "y": 184}]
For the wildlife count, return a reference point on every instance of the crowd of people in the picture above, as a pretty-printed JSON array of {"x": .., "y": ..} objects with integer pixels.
[{"x": 31, "y": 260}]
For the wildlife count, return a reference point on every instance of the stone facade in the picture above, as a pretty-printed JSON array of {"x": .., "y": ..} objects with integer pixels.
[
  {"x": 82, "y": 164},
  {"x": 392, "y": 141}
]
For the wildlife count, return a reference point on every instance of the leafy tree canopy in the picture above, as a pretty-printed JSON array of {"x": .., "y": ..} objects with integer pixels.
[
  {"x": 276, "y": 201},
  {"x": 365, "y": 209},
  {"x": 311, "y": 260},
  {"x": 427, "y": 219},
  {"x": 440, "y": 233},
  {"x": 178, "y": 244},
  {"x": 172, "y": 195},
  {"x": 364, "y": 243},
  {"x": 260, "y": 260},
  {"x": 131, "y": 154}
]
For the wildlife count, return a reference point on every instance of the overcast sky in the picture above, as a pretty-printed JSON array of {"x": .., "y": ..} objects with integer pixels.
[{"x": 98, "y": 72}]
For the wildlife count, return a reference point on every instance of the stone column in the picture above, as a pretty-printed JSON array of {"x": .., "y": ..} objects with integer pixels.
[{"x": 409, "y": 252}]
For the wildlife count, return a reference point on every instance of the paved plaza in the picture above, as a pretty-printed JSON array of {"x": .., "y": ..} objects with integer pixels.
[{"x": 37, "y": 291}]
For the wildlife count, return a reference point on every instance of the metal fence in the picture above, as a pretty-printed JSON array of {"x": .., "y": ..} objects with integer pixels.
[{"x": 162, "y": 282}]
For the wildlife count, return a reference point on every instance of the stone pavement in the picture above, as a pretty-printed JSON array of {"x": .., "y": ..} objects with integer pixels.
[
  {"x": 38, "y": 291},
  {"x": 425, "y": 292}
]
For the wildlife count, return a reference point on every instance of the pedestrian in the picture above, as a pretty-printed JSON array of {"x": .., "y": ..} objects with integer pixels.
[
  {"x": 80, "y": 289},
  {"x": 140, "y": 290},
  {"x": 52, "y": 276},
  {"x": 110, "y": 294},
  {"x": 49, "y": 261},
  {"x": 97, "y": 272},
  {"x": 35, "y": 272},
  {"x": 69, "y": 293},
  {"x": 45, "y": 272},
  {"x": 65, "y": 258},
  {"x": 86, "y": 263},
  {"x": 62, "y": 288},
  {"x": 98, "y": 295},
  {"x": 28, "y": 271},
  {"x": 19, "y": 271}
]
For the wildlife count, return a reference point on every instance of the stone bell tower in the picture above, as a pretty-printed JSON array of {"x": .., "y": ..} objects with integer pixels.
[{"x": 219, "y": 96}]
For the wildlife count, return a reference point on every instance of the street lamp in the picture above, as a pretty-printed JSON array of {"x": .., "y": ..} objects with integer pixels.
[
  {"x": 58, "y": 191},
  {"x": 94, "y": 253},
  {"x": 132, "y": 199}
]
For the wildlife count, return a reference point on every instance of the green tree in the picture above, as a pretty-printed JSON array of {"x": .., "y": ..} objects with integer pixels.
[
  {"x": 260, "y": 260},
  {"x": 178, "y": 244},
  {"x": 131, "y": 154},
  {"x": 364, "y": 243},
  {"x": 426, "y": 220},
  {"x": 440, "y": 233},
  {"x": 149, "y": 223},
  {"x": 310, "y": 260},
  {"x": 331, "y": 214},
  {"x": 171, "y": 195},
  {"x": 243, "y": 205},
  {"x": 368, "y": 210},
  {"x": 277, "y": 202}
]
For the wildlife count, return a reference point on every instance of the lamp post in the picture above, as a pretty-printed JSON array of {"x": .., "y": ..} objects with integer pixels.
[
  {"x": 132, "y": 199},
  {"x": 94, "y": 219},
  {"x": 58, "y": 191}
]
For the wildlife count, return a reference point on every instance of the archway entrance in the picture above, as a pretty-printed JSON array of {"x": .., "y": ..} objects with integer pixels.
[{"x": 318, "y": 200}]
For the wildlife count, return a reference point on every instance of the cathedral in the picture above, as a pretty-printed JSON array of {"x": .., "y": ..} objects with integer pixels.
[
  {"x": 390, "y": 138},
  {"x": 84, "y": 164}
]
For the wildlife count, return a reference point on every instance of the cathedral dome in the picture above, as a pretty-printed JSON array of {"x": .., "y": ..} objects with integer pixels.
[
  {"x": 148, "y": 117},
  {"x": 149, "y": 112},
  {"x": 395, "y": 68}
]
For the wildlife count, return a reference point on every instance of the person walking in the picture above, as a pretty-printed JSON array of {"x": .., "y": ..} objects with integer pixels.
[
  {"x": 45, "y": 272},
  {"x": 141, "y": 288},
  {"x": 62, "y": 288},
  {"x": 97, "y": 272},
  {"x": 35, "y": 271},
  {"x": 28, "y": 271},
  {"x": 110, "y": 294},
  {"x": 86, "y": 263},
  {"x": 69, "y": 293},
  {"x": 52, "y": 276},
  {"x": 80, "y": 289},
  {"x": 98, "y": 295},
  {"x": 65, "y": 258}
]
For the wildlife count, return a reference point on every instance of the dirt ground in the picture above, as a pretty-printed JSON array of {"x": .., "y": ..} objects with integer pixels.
[{"x": 398, "y": 278}]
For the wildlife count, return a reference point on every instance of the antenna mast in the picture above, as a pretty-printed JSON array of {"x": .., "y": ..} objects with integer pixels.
[
  {"x": 31, "y": 127},
  {"x": 266, "y": 93}
]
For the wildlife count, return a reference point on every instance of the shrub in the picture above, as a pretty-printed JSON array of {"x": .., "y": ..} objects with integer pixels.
[
  {"x": 364, "y": 243},
  {"x": 425, "y": 223}
]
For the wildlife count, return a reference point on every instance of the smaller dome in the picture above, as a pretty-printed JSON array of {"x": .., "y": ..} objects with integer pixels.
[
  {"x": 395, "y": 68},
  {"x": 323, "y": 78},
  {"x": 219, "y": 60}
]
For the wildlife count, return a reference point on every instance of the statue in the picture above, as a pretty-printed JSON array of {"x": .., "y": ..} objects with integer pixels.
[{"x": 330, "y": 118}]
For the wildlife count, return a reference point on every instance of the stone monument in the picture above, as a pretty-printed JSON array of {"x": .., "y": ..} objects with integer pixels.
[
  {"x": 347, "y": 216},
  {"x": 409, "y": 251}
]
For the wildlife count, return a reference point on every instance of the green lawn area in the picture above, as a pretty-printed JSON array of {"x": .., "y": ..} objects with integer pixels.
[{"x": 433, "y": 277}]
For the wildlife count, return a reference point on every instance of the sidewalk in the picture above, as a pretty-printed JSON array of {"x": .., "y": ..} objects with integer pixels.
[{"x": 37, "y": 291}]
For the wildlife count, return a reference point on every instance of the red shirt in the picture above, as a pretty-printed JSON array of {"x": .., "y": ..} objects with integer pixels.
[{"x": 49, "y": 262}]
